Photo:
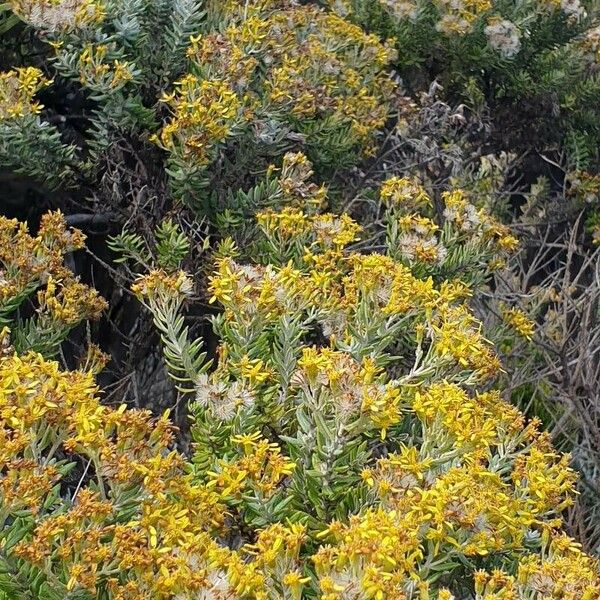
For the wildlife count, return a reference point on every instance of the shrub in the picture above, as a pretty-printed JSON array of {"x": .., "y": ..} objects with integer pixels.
[
  {"x": 27, "y": 143},
  {"x": 252, "y": 82},
  {"x": 113, "y": 59},
  {"x": 131, "y": 520},
  {"x": 344, "y": 399},
  {"x": 325, "y": 277},
  {"x": 271, "y": 77},
  {"x": 551, "y": 367},
  {"x": 35, "y": 264},
  {"x": 532, "y": 64},
  {"x": 317, "y": 471}
]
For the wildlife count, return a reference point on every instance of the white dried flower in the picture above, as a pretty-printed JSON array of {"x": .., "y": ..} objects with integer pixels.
[
  {"x": 450, "y": 24},
  {"x": 573, "y": 8},
  {"x": 217, "y": 397},
  {"x": 240, "y": 395},
  {"x": 442, "y": 253},
  {"x": 341, "y": 8},
  {"x": 327, "y": 229},
  {"x": 224, "y": 408},
  {"x": 186, "y": 286},
  {"x": 56, "y": 16},
  {"x": 504, "y": 37},
  {"x": 217, "y": 587},
  {"x": 333, "y": 324},
  {"x": 402, "y": 10},
  {"x": 203, "y": 390}
]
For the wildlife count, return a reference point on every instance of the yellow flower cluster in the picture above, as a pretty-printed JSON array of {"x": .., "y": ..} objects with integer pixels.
[
  {"x": 28, "y": 262},
  {"x": 205, "y": 112},
  {"x": 457, "y": 338},
  {"x": 417, "y": 234},
  {"x": 544, "y": 477},
  {"x": 404, "y": 192},
  {"x": 275, "y": 63},
  {"x": 518, "y": 320},
  {"x": 297, "y": 190},
  {"x": 323, "y": 230},
  {"x": 466, "y": 217},
  {"x": 159, "y": 283},
  {"x": 260, "y": 468},
  {"x": 248, "y": 292},
  {"x": 60, "y": 16},
  {"x": 67, "y": 304},
  {"x": 370, "y": 555},
  {"x": 156, "y": 547},
  {"x": 354, "y": 390},
  {"x": 270, "y": 568},
  {"x": 457, "y": 16},
  {"x": 17, "y": 90},
  {"x": 343, "y": 287},
  {"x": 27, "y": 259},
  {"x": 565, "y": 572},
  {"x": 417, "y": 239},
  {"x": 452, "y": 419},
  {"x": 97, "y": 69},
  {"x": 443, "y": 500}
]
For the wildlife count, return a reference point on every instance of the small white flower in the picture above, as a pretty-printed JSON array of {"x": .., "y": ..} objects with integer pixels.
[
  {"x": 217, "y": 588},
  {"x": 472, "y": 216},
  {"x": 450, "y": 214},
  {"x": 326, "y": 229},
  {"x": 421, "y": 229},
  {"x": 349, "y": 582},
  {"x": 340, "y": 8},
  {"x": 383, "y": 293},
  {"x": 331, "y": 68},
  {"x": 248, "y": 276},
  {"x": 186, "y": 286},
  {"x": 408, "y": 243}
]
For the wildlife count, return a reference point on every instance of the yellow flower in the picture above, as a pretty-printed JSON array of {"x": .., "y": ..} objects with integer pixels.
[
  {"x": 288, "y": 223},
  {"x": 254, "y": 370},
  {"x": 382, "y": 405},
  {"x": 58, "y": 17},
  {"x": 70, "y": 303},
  {"x": 404, "y": 193},
  {"x": 565, "y": 572},
  {"x": 158, "y": 283},
  {"x": 17, "y": 90},
  {"x": 519, "y": 321},
  {"x": 272, "y": 59},
  {"x": 295, "y": 582}
]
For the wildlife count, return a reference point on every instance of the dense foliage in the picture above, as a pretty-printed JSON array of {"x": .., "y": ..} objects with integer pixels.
[{"x": 349, "y": 343}]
